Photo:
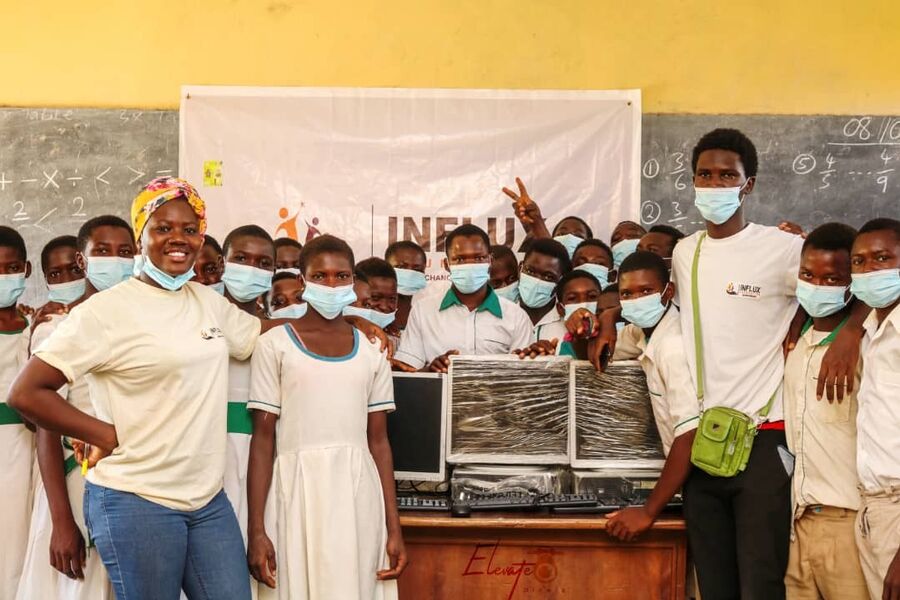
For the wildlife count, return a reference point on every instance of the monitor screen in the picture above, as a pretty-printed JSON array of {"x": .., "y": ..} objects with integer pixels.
[{"x": 416, "y": 429}]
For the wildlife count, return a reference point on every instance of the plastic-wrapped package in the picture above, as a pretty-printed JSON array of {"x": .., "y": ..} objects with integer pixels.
[
  {"x": 612, "y": 424},
  {"x": 504, "y": 410},
  {"x": 486, "y": 480},
  {"x": 617, "y": 486}
]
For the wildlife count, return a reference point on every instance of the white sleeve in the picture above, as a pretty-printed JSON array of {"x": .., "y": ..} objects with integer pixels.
[
  {"x": 381, "y": 394},
  {"x": 681, "y": 396},
  {"x": 792, "y": 261},
  {"x": 265, "y": 377},
  {"x": 522, "y": 329},
  {"x": 412, "y": 342},
  {"x": 240, "y": 329},
  {"x": 78, "y": 346}
]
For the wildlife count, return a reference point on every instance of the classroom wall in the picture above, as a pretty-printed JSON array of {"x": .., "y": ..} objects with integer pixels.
[{"x": 688, "y": 56}]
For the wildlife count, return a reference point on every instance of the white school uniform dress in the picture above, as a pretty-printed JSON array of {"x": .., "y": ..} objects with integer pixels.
[
  {"x": 672, "y": 394},
  {"x": 330, "y": 513},
  {"x": 39, "y": 578},
  {"x": 16, "y": 462},
  {"x": 240, "y": 428},
  {"x": 438, "y": 323},
  {"x": 747, "y": 290}
]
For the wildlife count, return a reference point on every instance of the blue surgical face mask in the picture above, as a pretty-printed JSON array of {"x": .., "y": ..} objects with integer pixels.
[
  {"x": 246, "y": 283},
  {"x": 600, "y": 273},
  {"x": 821, "y": 300},
  {"x": 66, "y": 293},
  {"x": 622, "y": 249},
  {"x": 291, "y": 270},
  {"x": 219, "y": 286},
  {"x": 471, "y": 277},
  {"x": 410, "y": 282},
  {"x": 570, "y": 241},
  {"x": 510, "y": 292},
  {"x": 535, "y": 293},
  {"x": 877, "y": 288},
  {"x": 329, "y": 301},
  {"x": 645, "y": 311},
  {"x": 569, "y": 309},
  {"x": 11, "y": 288},
  {"x": 173, "y": 283},
  {"x": 619, "y": 327},
  {"x": 291, "y": 311},
  {"x": 371, "y": 315},
  {"x": 717, "y": 204},
  {"x": 138, "y": 265},
  {"x": 107, "y": 271}
]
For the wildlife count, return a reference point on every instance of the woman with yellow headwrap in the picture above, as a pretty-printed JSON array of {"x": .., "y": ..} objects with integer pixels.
[{"x": 157, "y": 349}]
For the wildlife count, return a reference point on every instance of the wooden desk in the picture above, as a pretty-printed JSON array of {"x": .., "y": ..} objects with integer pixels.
[{"x": 505, "y": 556}]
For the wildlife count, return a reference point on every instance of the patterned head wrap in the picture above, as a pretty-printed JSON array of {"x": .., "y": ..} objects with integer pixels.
[{"x": 158, "y": 192}]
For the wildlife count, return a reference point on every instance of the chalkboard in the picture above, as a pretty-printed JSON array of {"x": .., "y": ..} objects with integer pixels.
[
  {"x": 812, "y": 169},
  {"x": 60, "y": 167}
]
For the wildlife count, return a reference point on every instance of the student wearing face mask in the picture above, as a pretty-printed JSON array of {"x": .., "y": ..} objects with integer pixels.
[
  {"x": 470, "y": 318},
  {"x": 596, "y": 258},
  {"x": 823, "y": 561},
  {"x": 544, "y": 264},
  {"x": 210, "y": 265},
  {"x": 65, "y": 279},
  {"x": 249, "y": 266},
  {"x": 287, "y": 255},
  {"x": 504, "y": 273},
  {"x": 16, "y": 441},
  {"x": 320, "y": 394},
  {"x": 157, "y": 446},
  {"x": 58, "y": 523},
  {"x": 661, "y": 240},
  {"x": 285, "y": 299},
  {"x": 646, "y": 293},
  {"x": 111, "y": 261},
  {"x": 409, "y": 262},
  {"x": 375, "y": 284},
  {"x": 624, "y": 240}
]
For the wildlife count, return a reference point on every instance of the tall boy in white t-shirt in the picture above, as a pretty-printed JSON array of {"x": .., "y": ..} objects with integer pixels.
[{"x": 875, "y": 263}]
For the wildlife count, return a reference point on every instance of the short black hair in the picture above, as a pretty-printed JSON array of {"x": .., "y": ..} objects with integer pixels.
[
  {"x": 404, "y": 244},
  {"x": 282, "y": 276},
  {"x": 322, "y": 244},
  {"x": 286, "y": 241},
  {"x": 572, "y": 276},
  {"x": 641, "y": 260},
  {"x": 247, "y": 231},
  {"x": 668, "y": 230},
  {"x": 63, "y": 241},
  {"x": 552, "y": 248},
  {"x": 882, "y": 224},
  {"x": 11, "y": 238},
  {"x": 831, "y": 236},
  {"x": 732, "y": 140},
  {"x": 467, "y": 230},
  {"x": 590, "y": 232},
  {"x": 599, "y": 244},
  {"x": 612, "y": 288},
  {"x": 374, "y": 267},
  {"x": 501, "y": 253},
  {"x": 210, "y": 241},
  {"x": 87, "y": 228}
]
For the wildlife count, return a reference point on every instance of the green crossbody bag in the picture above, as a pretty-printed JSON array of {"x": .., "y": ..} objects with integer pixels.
[{"x": 724, "y": 436}]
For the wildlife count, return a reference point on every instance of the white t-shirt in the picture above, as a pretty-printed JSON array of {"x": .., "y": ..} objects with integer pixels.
[
  {"x": 747, "y": 284},
  {"x": 158, "y": 365}
]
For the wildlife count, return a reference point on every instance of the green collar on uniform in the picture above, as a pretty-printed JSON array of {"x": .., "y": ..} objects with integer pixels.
[
  {"x": 830, "y": 337},
  {"x": 491, "y": 302}
]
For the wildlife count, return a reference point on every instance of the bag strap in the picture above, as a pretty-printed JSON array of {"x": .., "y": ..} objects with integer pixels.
[{"x": 698, "y": 331}]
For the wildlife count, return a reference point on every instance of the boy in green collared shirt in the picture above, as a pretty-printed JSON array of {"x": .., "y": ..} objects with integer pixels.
[{"x": 823, "y": 560}]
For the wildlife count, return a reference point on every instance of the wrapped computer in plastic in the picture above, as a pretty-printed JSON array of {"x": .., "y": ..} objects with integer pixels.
[
  {"x": 470, "y": 481},
  {"x": 611, "y": 419},
  {"x": 505, "y": 410},
  {"x": 620, "y": 487}
]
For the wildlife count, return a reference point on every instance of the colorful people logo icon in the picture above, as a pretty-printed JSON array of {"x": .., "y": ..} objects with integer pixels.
[{"x": 288, "y": 226}]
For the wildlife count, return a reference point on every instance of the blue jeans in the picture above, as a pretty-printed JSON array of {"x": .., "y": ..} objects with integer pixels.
[{"x": 151, "y": 552}]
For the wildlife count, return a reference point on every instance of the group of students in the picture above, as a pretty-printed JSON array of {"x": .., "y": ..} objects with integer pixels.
[{"x": 229, "y": 402}]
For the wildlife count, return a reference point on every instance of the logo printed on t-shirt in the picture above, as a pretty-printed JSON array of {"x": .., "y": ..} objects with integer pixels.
[
  {"x": 211, "y": 333},
  {"x": 743, "y": 290}
]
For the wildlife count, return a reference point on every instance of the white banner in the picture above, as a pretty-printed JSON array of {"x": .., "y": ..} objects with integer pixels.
[{"x": 376, "y": 165}]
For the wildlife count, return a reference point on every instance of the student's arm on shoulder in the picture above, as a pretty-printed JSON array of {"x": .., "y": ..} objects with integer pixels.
[
  {"x": 412, "y": 344},
  {"x": 79, "y": 345},
  {"x": 837, "y": 375},
  {"x": 265, "y": 375}
]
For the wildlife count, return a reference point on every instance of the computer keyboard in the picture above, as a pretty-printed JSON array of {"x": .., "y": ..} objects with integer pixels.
[
  {"x": 439, "y": 503},
  {"x": 567, "y": 500},
  {"x": 502, "y": 502}
]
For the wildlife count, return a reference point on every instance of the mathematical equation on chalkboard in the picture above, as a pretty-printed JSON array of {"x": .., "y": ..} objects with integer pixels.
[{"x": 810, "y": 168}]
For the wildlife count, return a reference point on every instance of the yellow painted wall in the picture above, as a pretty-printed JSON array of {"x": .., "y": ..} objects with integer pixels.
[{"x": 721, "y": 56}]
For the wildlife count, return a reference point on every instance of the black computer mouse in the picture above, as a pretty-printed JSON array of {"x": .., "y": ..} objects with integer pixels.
[{"x": 460, "y": 509}]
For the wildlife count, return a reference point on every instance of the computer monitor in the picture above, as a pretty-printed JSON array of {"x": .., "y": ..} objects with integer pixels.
[{"x": 417, "y": 429}]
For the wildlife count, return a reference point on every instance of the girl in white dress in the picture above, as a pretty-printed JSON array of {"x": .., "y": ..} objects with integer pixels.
[{"x": 321, "y": 397}]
